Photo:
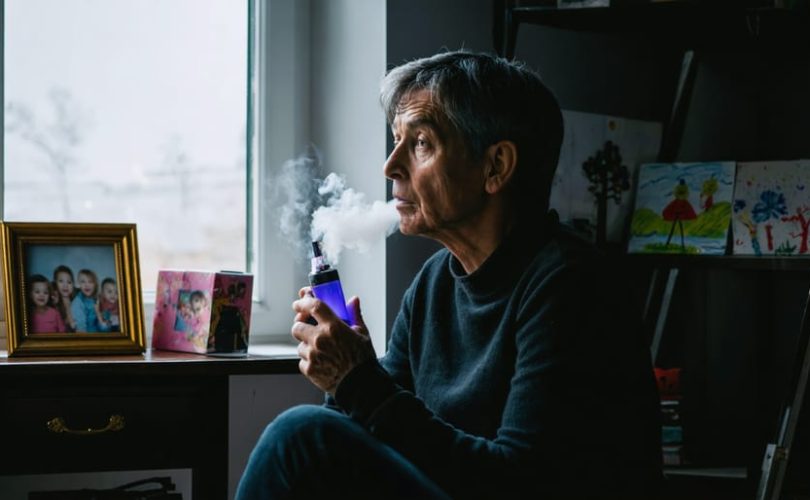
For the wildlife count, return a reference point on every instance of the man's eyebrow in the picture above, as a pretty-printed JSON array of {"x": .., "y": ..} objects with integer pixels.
[{"x": 421, "y": 121}]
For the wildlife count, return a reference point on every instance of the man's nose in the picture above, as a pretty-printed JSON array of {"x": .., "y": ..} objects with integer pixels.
[{"x": 393, "y": 167}]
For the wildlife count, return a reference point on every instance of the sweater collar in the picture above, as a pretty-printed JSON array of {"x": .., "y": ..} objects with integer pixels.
[{"x": 509, "y": 260}]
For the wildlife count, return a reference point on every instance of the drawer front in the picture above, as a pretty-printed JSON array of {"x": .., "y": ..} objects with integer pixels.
[{"x": 107, "y": 432}]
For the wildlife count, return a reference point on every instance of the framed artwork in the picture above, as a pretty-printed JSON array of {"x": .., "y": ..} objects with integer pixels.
[
  {"x": 772, "y": 208},
  {"x": 575, "y": 196},
  {"x": 71, "y": 289},
  {"x": 682, "y": 208}
]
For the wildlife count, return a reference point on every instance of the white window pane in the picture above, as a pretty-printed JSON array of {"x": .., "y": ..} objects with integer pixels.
[{"x": 131, "y": 111}]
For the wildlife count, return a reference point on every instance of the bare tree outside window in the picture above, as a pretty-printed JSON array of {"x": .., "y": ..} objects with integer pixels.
[{"x": 131, "y": 111}]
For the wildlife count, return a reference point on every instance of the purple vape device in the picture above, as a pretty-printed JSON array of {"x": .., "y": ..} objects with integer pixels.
[{"x": 325, "y": 284}]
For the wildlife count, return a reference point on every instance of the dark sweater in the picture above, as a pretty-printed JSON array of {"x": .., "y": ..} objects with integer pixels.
[{"x": 523, "y": 375}]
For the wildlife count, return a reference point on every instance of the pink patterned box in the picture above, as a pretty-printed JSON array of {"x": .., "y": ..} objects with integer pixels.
[{"x": 203, "y": 312}]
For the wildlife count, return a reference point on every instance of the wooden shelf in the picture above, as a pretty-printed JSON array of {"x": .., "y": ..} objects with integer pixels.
[
  {"x": 151, "y": 361},
  {"x": 684, "y": 24},
  {"x": 690, "y": 23},
  {"x": 715, "y": 472},
  {"x": 737, "y": 262}
]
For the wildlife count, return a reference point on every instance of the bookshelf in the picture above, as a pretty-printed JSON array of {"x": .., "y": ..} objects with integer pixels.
[{"x": 692, "y": 28}]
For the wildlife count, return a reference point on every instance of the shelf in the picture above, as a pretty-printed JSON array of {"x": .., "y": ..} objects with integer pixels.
[
  {"x": 683, "y": 24},
  {"x": 737, "y": 262},
  {"x": 686, "y": 20},
  {"x": 715, "y": 472}
]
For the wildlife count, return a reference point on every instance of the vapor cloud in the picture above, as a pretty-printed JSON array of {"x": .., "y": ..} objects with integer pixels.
[
  {"x": 312, "y": 207},
  {"x": 348, "y": 221}
]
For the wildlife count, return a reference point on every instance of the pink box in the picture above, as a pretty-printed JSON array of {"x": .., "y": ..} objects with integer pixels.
[{"x": 203, "y": 312}]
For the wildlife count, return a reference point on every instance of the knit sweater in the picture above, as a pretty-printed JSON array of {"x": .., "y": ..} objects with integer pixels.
[{"x": 521, "y": 376}]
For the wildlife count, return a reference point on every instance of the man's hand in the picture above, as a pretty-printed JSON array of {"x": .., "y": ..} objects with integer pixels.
[{"x": 330, "y": 349}]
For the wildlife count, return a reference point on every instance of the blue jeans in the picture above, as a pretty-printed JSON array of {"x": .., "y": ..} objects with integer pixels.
[{"x": 316, "y": 452}]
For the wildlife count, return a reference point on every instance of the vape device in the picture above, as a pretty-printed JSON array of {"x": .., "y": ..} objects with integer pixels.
[{"x": 325, "y": 284}]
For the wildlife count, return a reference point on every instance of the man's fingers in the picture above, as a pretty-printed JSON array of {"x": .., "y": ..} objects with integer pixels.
[
  {"x": 323, "y": 313},
  {"x": 313, "y": 307},
  {"x": 303, "y": 351},
  {"x": 301, "y": 331}
]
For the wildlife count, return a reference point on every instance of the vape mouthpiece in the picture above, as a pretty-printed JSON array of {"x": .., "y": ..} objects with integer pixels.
[
  {"x": 318, "y": 260},
  {"x": 316, "y": 249}
]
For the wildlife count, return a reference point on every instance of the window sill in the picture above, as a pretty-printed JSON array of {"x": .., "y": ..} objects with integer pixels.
[{"x": 273, "y": 349}]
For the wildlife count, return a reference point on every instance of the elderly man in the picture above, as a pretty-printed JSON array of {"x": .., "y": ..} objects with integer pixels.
[{"x": 508, "y": 369}]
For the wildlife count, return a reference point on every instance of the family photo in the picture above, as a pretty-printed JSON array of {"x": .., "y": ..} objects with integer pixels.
[{"x": 71, "y": 289}]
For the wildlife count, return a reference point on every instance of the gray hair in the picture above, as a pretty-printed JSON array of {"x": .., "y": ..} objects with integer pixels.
[{"x": 487, "y": 99}]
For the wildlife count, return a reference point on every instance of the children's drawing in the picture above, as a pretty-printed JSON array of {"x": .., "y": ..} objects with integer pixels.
[
  {"x": 682, "y": 208},
  {"x": 577, "y": 188},
  {"x": 772, "y": 208}
]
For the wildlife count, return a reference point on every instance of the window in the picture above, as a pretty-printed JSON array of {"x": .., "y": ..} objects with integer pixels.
[
  {"x": 161, "y": 112},
  {"x": 132, "y": 111}
]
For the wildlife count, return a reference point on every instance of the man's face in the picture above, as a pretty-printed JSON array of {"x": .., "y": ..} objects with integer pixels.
[{"x": 438, "y": 187}]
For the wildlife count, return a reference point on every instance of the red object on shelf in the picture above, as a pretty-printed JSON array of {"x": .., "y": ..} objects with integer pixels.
[{"x": 669, "y": 382}]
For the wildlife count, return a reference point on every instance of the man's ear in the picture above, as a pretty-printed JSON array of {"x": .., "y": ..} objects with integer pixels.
[{"x": 501, "y": 162}]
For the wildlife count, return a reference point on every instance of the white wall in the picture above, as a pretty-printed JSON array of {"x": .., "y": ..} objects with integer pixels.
[
  {"x": 420, "y": 28},
  {"x": 254, "y": 401},
  {"x": 349, "y": 128},
  {"x": 323, "y": 61},
  {"x": 284, "y": 120},
  {"x": 331, "y": 100}
]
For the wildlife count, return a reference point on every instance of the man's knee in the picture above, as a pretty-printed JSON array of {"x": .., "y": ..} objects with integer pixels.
[{"x": 299, "y": 424}]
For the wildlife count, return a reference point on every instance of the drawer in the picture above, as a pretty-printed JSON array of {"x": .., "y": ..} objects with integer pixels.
[{"x": 108, "y": 432}]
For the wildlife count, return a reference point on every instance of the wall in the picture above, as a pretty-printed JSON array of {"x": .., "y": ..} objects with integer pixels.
[
  {"x": 340, "y": 59},
  {"x": 348, "y": 126},
  {"x": 255, "y": 400},
  {"x": 419, "y": 28}
]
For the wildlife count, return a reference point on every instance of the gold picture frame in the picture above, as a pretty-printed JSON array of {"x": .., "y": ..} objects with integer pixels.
[{"x": 82, "y": 253}]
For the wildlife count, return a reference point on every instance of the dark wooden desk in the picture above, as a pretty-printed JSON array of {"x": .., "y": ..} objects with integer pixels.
[{"x": 161, "y": 410}]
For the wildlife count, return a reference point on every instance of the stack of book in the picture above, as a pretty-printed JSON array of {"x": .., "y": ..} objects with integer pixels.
[{"x": 669, "y": 391}]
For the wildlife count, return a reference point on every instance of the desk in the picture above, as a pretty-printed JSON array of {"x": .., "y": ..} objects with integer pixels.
[{"x": 173, "y": 410}]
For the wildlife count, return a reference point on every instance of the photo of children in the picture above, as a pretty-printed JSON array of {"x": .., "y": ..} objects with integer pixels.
[
  {"x": 43, "y": 315},
  {"x": 81, "y": 302},
  {"x": 191, "y": 318}
]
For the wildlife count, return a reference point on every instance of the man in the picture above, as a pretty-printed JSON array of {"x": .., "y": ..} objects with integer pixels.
[{"x": 507, "y": 370}]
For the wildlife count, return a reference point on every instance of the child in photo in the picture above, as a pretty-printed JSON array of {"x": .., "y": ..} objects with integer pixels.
[
  {"x": 54, "y": 294},
  {"x": 198, "y": 303},
  {"x": 107, "y": 307},
  {"x": 84, "y": 304},
  {"x": 198, "y": 320},
  {"x": 63, "y": 283},
  {"x": 183, "y": 315},
  {"x": 44, "y": 317}
]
